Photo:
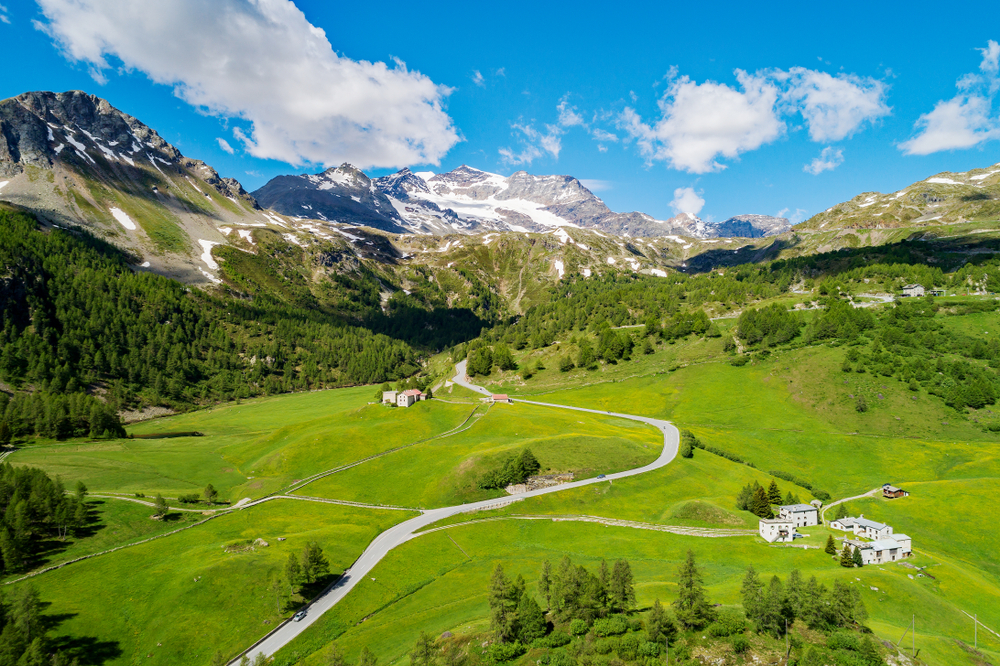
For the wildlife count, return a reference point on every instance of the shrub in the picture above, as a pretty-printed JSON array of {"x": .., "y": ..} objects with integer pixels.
[
  {"x": 730, "y": 621},
  {"x": 740, "y": 361},
  {"x": 648, "y": 649},
  {"x": 615, "y": 625},
  {"x": 497, "y": 653},
  {"x": 740, "y": 644},
  {"x": 628, "y": 647},
  {"x": 192, "y": 498},
  {"x": 553, "y": 640},
  {"x": 562, "y": 659},
  {"x": 843, "y": 640},
  {"x": 578, "y": 627},
  {"x": 605, "y": 646}
]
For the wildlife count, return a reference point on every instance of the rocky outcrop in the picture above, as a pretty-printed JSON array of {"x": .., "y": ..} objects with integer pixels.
[{"x": 752, "y": 226}]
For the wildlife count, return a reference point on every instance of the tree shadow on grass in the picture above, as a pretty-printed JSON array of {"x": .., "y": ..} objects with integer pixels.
[
  {"x": 49, "y": 549},
  {"x": 87, "y": 650}
]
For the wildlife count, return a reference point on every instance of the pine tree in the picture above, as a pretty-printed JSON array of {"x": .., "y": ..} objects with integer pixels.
[
  {"x": 503, "y": 613},
  {"x": 622, "y": 588},
  {"x": 752, "y": 592},
  {"x": 545, "y": 584},
  {"x": 659, "y": 625},
  {"x": 293, "y": 572},
  {"x": 210, "y": 493},
  {"x": 759, "y": 504},
  {"x": 773, "y": 494},
  {"x": 789, "y": 498},
  {"x": 794, "y": 590},
  {"x": 847, "y": 557},
  {"x": 160, "y": 506},
  {"x": 856, "y": 557},
  {"x": 831, "y": 547},
  {"x": 367, "y": 658},
  {"x": 423, "y": 652},
  {"x": 693, "y": 609},
  {"x": 772, "y": 618},
  {"x": 841, "y": 511},
  {"x": 530, "y": 619},
  {"x": 869, "y": 653}
]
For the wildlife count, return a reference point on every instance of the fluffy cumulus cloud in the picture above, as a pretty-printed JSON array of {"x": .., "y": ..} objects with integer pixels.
[
  {"x": 534, "y": 144},
  {"x": 224, "y": 145},
  {"x": 262, "y": 61},
  {"x": 965, "y": 120},
  {"x": 701, "y": 123},
  {"x": 829, "y": 159},
  {"x": 834, "y": 107},
  {"x": 686, "y": 200}
]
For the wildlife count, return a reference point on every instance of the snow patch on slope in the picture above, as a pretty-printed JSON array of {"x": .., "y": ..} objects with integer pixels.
[
  {"x": 206, "y": 255},
  {"x": 123, "y": 219}
]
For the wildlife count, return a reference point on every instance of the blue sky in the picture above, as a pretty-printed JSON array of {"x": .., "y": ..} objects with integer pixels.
[{"x": 712, "y": 108}]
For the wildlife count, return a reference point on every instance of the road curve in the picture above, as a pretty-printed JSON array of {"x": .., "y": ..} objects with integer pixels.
[{"x": 405, "y": 531}]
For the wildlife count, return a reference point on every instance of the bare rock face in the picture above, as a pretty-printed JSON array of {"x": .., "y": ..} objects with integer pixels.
[
  {"x": 342, "y": 194},
  {"x": 752, "y": 226}
]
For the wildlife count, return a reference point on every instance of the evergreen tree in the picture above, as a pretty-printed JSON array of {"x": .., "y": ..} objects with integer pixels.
[
  {"x": 772, "y": 618},
  {"x": 659, "y": 625},
  {"x": 693, "y": 609},
  {"x": 869, "y": 653},
  {"x": 314, "y": 563},
  {"x": 503, "y": 610},
  {"x": 545, "y": 583},
  {"x": 160, "y": 507},
  {"x": 622, "y": 587},
  {"x": 814, "y": 606},
  {"x": 773, "y": 494},
  {"x": 334, "y": 657},
  {"x": 790, "y": 499},
  {"x": 831, "y": 547},
  {"x": 210, "y": 494},
  {"x": 530, "y": 620},
  {"x": 856, "y": 557},
  {"x": 423, "y": 652},
  {"x": 293, "y": 572},
  {"x": 847, "y": 556},
  {"x": 81, "y": 491},
  {"x": 759, "y": 504},
  {"x": 794, "y": 590},
  {"x": 841, "y": 511},
  {"x": 367, "y": 658},
  {"x": 752, "y": 593}
]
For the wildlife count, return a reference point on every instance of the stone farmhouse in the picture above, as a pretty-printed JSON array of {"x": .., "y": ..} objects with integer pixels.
[
  {"x": 871, "y": 529},
  {"x": 777, "y": 530},
  {"x": 913, "y": 290},
  {"x": 402, "y": 398},
  {"x": 803, "y": 515}
]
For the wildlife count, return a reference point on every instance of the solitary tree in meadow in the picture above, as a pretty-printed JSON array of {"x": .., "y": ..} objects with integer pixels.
[
  {"x": 210, "y": 493},
  {"x": 160, "y": 506},
  {"x": 831, "y": 547},
  {"x": 847, "y": 557}
]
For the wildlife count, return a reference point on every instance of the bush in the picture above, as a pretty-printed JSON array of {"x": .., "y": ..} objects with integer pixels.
[
  {"x": 192, "y": 498},
  {"x": 605, "y": 646},
  {"x": 615, "y": 625},
  {"x": 861, "y": 405},
  {"x": 497, "y": 653},
  {"x": 843, "y": 640},
  {"x": 740, "y": 644},
  {"x": 628, "y": 647},
  {"x": 740, "y": 361},
  {"x": 730, "y": 621},
  {"x": 566, "y": 364},
  {"x": 578, "y": 627},
  {"x": 649, "y": 649},
  {"x": 554, "y": 640},
  {"x": 562, "y": 659}
]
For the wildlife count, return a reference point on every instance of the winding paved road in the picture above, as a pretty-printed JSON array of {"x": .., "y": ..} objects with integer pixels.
[{"x": 403, "y": 532}]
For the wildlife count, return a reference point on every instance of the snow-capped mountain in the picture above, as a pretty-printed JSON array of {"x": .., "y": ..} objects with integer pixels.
[
  {"x": 751, "y": 226},
  {"x": 467, "y": 200}
]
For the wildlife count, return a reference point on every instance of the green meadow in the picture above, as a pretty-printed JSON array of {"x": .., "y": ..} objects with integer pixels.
[
  {"x": 246, "y": 450},
  {"x": 439, "y": 582},
  {"x": 179, "y": 599},
  {"x": 445, "y": 471}
]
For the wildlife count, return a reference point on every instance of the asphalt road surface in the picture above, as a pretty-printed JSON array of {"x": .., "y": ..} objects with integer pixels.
[{"x": 405, "y": 531}]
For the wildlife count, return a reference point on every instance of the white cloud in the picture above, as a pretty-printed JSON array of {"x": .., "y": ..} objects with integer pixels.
[
  {"x": 834, "y": 107},
  {"x": 603, "y": 135},
  {"x": 686, "y": 200},
  {"x": 794, "y": 218},
  {"x": 3, "y": 15},
  {"x": 568, "y": 117},
  {"x": 829, "y": 159},
  {"x": 965, "y": 120},
  {"x": 478, "y": 79},
  {"x": 225, "y": 145},
  {"x": 535, "y": 144},
  {"x": 262, "y": 61},
  {"x": 596, "y": 185},
  {"x": 502, "y": 72},
  {"x": 701, "y": 122},
  {"x": 602, "y": 148}
]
